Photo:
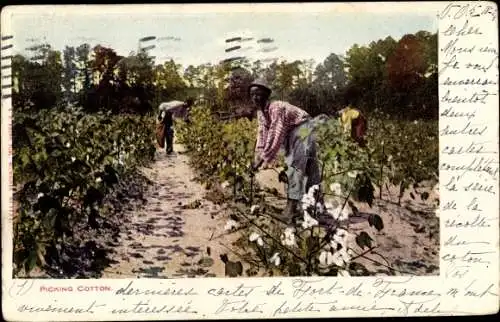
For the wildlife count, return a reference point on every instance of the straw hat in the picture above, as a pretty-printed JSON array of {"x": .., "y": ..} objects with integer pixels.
[{"x": 260, "y": 83}]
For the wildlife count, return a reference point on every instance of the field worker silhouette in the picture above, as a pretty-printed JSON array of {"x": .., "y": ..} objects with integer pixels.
[
  {"x": 352, "y": 120},
  {"x": 282, "y": 125},
  {"x": 169, "y": 111},
  {"x": 166, "y": 117}
]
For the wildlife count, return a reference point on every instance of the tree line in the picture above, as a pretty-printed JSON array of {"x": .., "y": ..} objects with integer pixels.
[{"x": 396, "y": 77}]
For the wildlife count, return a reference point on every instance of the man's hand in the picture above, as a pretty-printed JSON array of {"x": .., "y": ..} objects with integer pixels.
[
  {"x": 256, "y": 164},
  {"x": 270, "y": 165}
]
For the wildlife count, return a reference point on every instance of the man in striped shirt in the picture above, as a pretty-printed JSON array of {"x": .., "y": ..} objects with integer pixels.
[{"x": 283, "y": 125}]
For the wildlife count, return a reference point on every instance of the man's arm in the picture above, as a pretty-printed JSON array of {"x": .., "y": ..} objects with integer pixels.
[{"x": 276, "y": 135}]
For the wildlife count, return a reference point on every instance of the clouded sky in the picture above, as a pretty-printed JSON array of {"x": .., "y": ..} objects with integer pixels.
[{"x": 299, "y": 31}]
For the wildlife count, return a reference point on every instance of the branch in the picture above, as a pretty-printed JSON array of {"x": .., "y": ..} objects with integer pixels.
[
  {"x": 363, "y": 255},
  {"x": 385, "y": 259},
  {"x": 228, "y": 233},
  {"x": 243, "y": 258}
]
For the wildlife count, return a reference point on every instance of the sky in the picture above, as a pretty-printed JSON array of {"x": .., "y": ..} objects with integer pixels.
[{"x": 299, "y": 31}]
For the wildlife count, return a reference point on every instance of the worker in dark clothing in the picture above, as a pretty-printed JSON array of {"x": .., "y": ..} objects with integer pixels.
[{"x": 166, "y": 118}]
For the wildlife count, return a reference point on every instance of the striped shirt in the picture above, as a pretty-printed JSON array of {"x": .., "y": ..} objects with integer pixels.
[{"x": 275, "y": 122}]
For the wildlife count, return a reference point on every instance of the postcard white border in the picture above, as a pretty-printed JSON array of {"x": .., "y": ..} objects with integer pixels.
[{"x": 376, "y": 292}]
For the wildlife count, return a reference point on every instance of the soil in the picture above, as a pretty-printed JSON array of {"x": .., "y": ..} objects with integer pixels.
[{"x": 180, "y": 233}]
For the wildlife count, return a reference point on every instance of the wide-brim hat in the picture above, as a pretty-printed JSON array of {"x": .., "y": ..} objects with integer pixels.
[{"x": 260, "y": 83}]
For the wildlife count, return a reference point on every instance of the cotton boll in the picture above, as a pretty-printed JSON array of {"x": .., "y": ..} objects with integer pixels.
[
  {"x": 343, "y": 254},
  {"x": 288, "y": 237},
  {"x": 336, "y": 188},
  {"x": 308, "y": 221},
  {"x": 322, "y": 257},
  {"x": 345, "y": 213},
  {"x": 253, "y": 237},
  {"x": 335, "y": 213},
  {"x": 260, "y": 242},
  {"x": 275, "y": 259}
]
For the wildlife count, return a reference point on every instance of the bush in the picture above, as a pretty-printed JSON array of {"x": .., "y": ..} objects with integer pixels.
[
  {"x": 219, "y": 151},
  {"x": 349, "y": 172},
  {"x": 65, "y": 165}
]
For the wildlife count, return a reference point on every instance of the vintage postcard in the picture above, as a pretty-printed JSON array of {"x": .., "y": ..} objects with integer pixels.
[{"x": 221, "y": 161}]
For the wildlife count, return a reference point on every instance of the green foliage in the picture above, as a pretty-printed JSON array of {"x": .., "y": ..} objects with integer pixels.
[
  {"x": 219, "y": 151},
  {"x": 65, "y": 163},
  {"x": 408, "y": 150},
  {"x": 398, "y": 152}
]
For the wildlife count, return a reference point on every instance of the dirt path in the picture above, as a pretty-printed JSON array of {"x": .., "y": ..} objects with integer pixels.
[{"x": 171, "y": 236}]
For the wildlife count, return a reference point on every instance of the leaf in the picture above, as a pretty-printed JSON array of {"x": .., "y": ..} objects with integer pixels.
[
  {"x": 206, "y": 262},
  {"x": 424, "y": 196},
  {"x": 304, "y": 133},
  {"x": 30, "y": 263},
  {"x": 46, "y": 203},
  {"x": 358, "y": 269},
  {"x": 40, "y": 251},
  {"x": 364, "y": 240},
  {"x": 366, "y": 192},
  {"x": 50, "y": 219},
  {"x": 92, "y": 195},
  {"x": 294, "y": 269},
  {"x": 376, "y": 221}
]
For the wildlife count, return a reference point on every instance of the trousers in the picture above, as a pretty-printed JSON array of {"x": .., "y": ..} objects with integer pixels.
[
  {"x": 301, "y": 160},
  {"x": 169, "y": 138}
]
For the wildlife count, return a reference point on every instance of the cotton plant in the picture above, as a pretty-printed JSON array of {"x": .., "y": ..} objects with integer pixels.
[
  {"x": 310, "y": 202},
  {"x": 288, "y": 237},
  {"x": 336, "y": 253},
  {"x": 309, "y": 221},
  {"x": 311, "y": 205},
  {"x": 339, "y": 239}
]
